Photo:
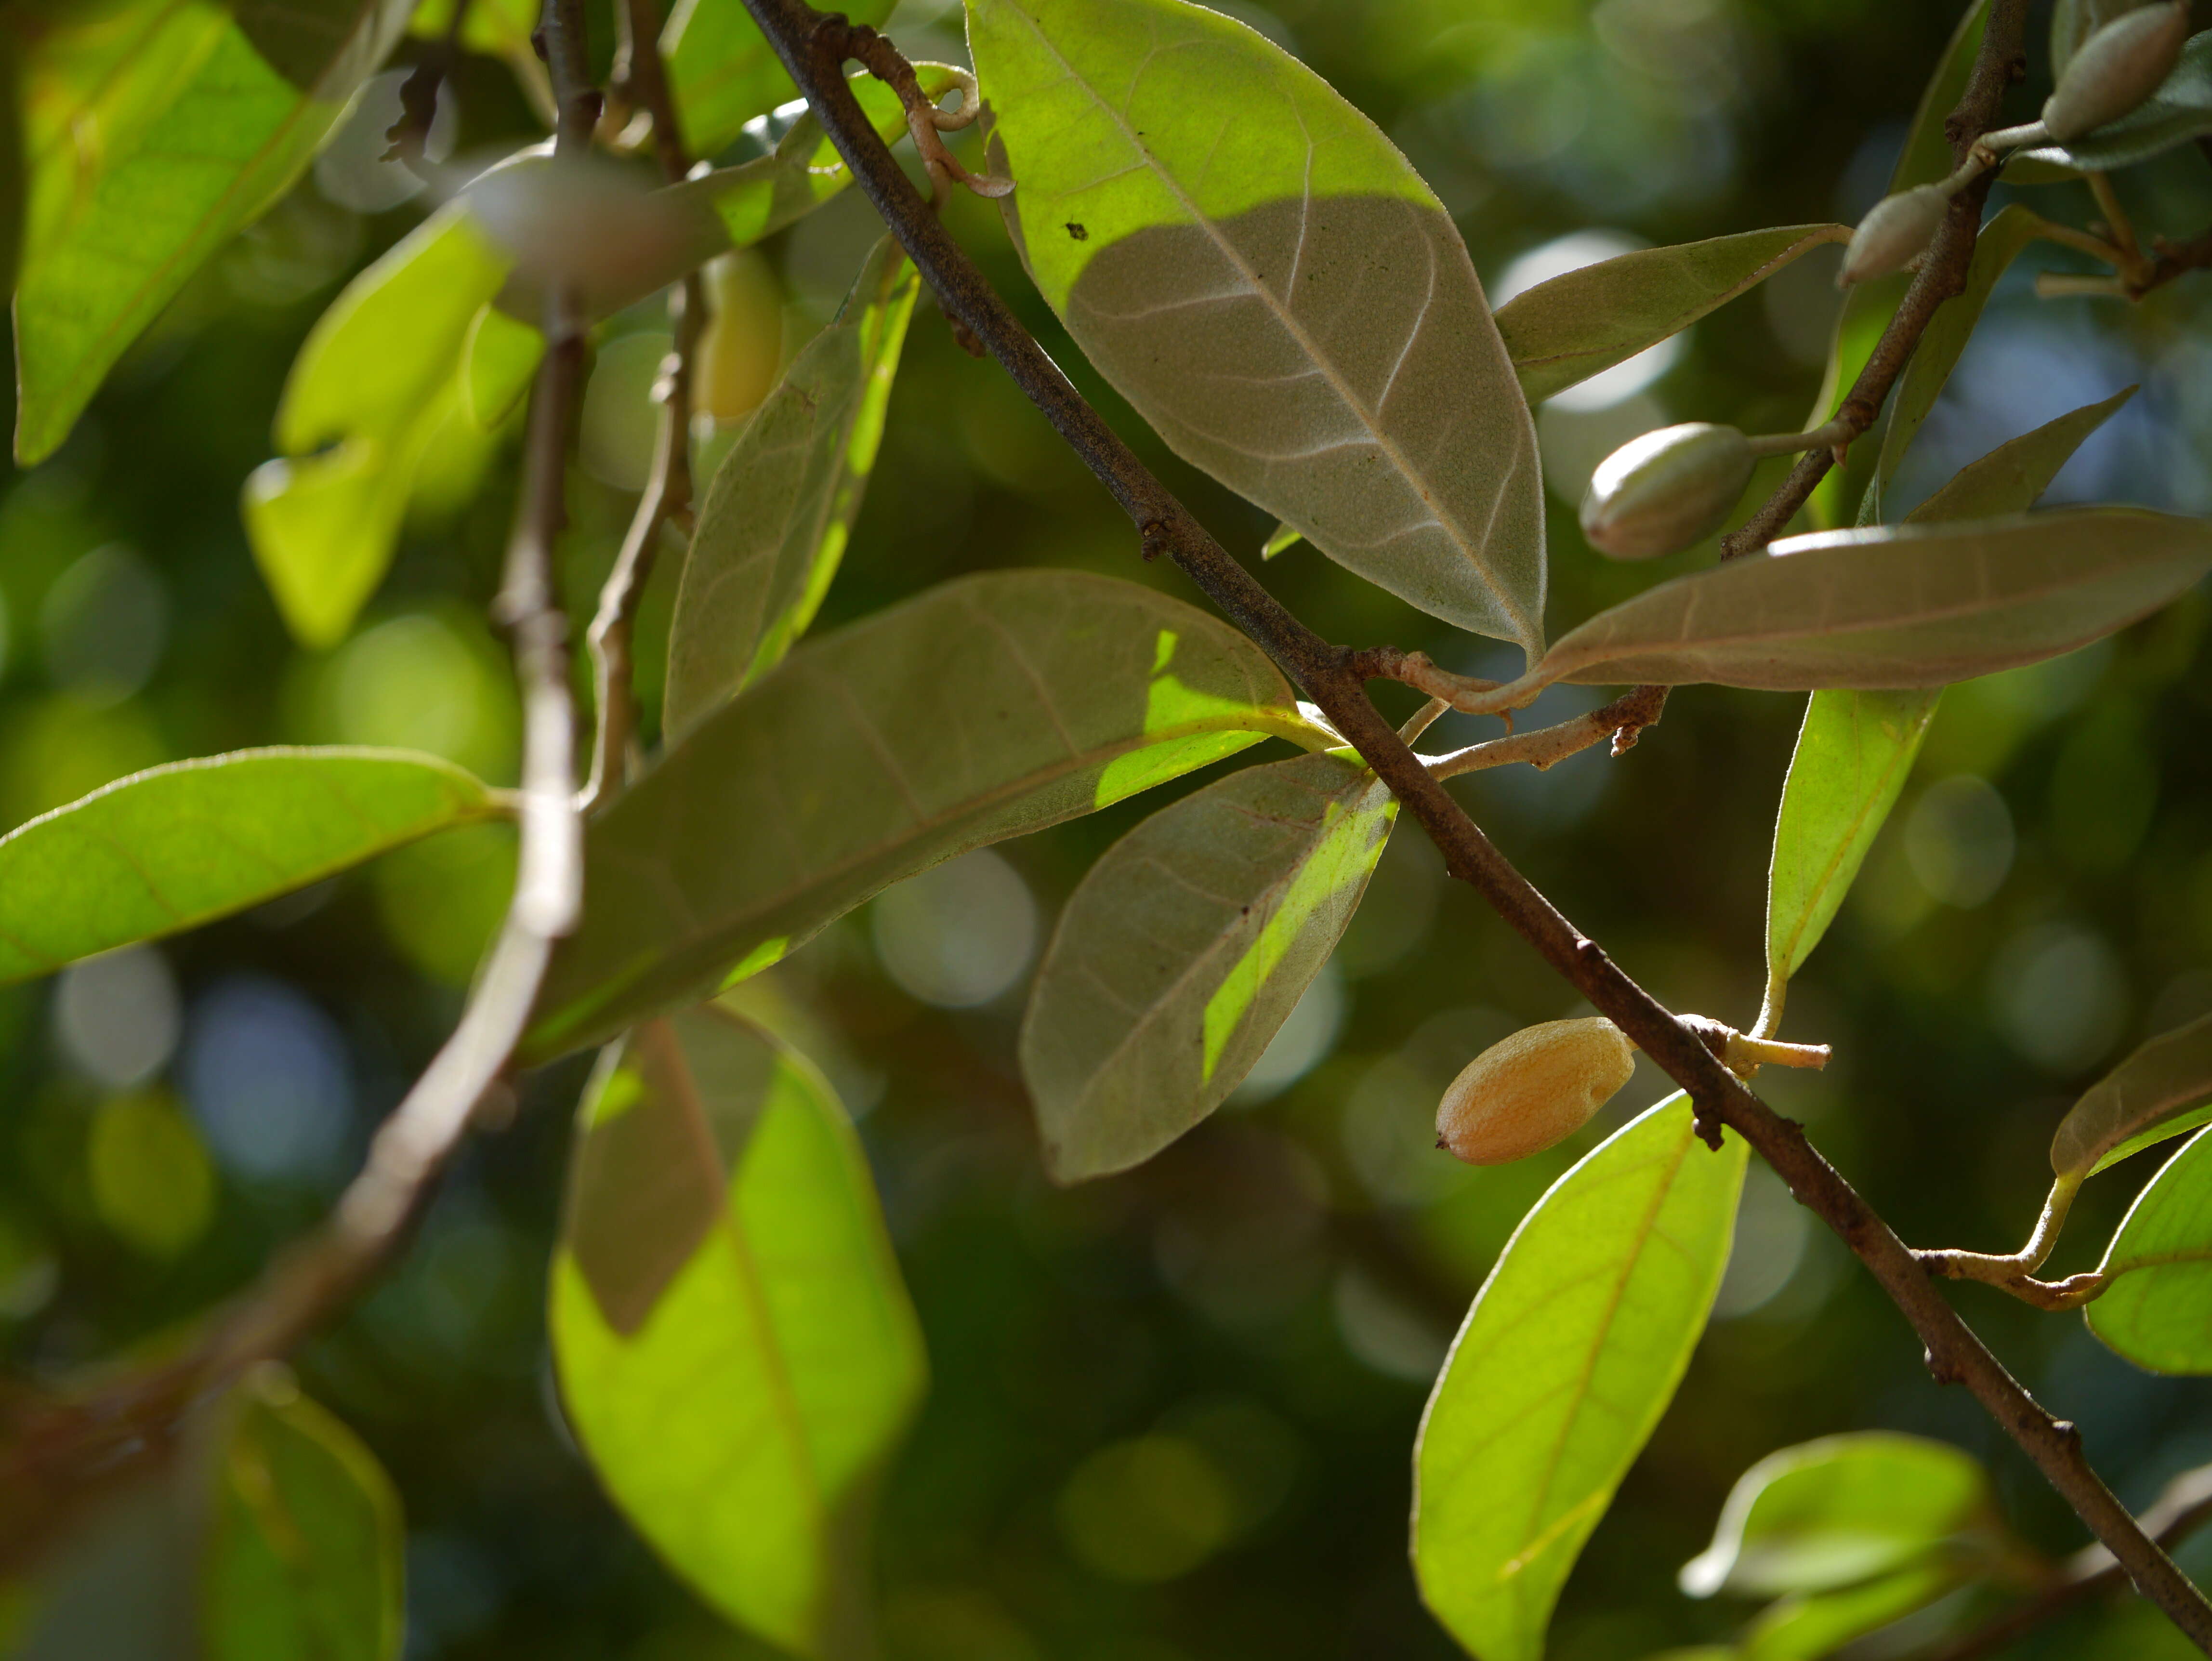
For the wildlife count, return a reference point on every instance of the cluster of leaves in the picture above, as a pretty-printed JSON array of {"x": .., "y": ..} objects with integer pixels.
[{"x": 1248, "y": 259}]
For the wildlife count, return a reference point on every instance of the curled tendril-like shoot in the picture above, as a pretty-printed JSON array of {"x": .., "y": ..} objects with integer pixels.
[{"x": 925, "y": 121}]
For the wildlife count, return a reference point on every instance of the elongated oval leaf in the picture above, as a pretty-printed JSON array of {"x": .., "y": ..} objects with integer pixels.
[
  {"x": 1570, "y": 1354},
  {"x": 2178, "y": 112},
  {"x": 180, "y": 845},
  {"x": 160, "y": 132},
  {"x": 1894, "y": 605},
  {"x": 1856, "y": 748},
  {"x": 1260, "y": 273},
  {"x": 2157, "y": 1310},
  {"x": 2163, "y": 1088},
  {"x": 783, "y": 502},
  {"x": 1582, "y": 323},
  {"x": 1808, "y": 1628},
  {"x": 1999, "y": 244},
  {"x": 1840, "y": 1510},
  {"x": 734, "y": 1345},
  {"x": 1185, "y": 948},
  {"x": 303, "y": 1559},
  {"x": 982, "y": 708}
]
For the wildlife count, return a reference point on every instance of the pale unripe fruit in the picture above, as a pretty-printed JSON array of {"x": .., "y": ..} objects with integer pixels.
[
  {"x": 1659, "y": 493},
  {"x": 1535, "y": 1088},
  {"x": 1896, "y": 231},
  {"x": 2073, "y": 21},
  {"x": 742, "y": 344},
  {"x": 2116, "y": 68}
]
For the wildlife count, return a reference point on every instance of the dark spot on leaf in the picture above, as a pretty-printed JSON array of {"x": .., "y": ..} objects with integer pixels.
[{"x": 1078, "y": 232}]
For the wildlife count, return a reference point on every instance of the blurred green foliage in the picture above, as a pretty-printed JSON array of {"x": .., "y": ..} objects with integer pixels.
[{"x": 1170, "y": 1412}]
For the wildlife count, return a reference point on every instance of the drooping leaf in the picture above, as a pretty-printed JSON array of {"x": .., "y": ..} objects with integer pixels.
[
  {"x": 1585, "y": 322},
  {"x": 2157, "y": 1310},
  {"x": 2180, "y": 110},
  {"x": 180, "y": 845},
  {"x": 782, "y": 502},
  {"x": 982, "y": 708},
  {"x": 2163, "y": 1088},
  {"x": 155, "y": 134},
  {"x": 724, "y": 73},
  {"x": 734, "y": 1345},
  {"x": 1894, "y": 605},
  {"x": 1839, "y": 1512},
  {"x": 2011, "y": 478},
  {"x": 1941, "y": 345},
  {"x": 1253, "y": 265},
  {"x": 1570, "y": 1355},
  {"x": 1185, "y": 948},
  {"x": 1869, "y": 306},
  {"x": 1807, "y": 1628},
  {"x": 1856, "y": 748},
  {"x": 373, "y": 385},
  {"x": 303, "y": 1560}
]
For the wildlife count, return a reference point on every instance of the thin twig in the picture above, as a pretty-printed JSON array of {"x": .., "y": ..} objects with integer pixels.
[
  {"x": 2002, "y": 61},
  {"x": 1621, "y": 720},
  {"x": 668, "y": 490},
  {"x": 813, "y": 47},
  {"x": 60, "y": 1454}
]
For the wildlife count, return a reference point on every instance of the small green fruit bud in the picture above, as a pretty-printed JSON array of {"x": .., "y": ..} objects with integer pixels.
[
  {"x": 1535, "y": 1088},
  {"x": 1896, "y": 231},
  {"x": 2116, "y": 68},
  {"x": 1659, "y": 493}
]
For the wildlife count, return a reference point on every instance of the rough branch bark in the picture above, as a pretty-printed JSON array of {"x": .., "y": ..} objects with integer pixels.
[{"x": 814, "y": 47}]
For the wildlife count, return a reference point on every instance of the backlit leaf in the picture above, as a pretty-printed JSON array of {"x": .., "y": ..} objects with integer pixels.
[
  {"x": 2163, "y": 1088},
  {"x": 303, "y": 1558},
  {"x": 1839, "y": 1512},
  {"x": 155, "y": 134},
  {"x": 982, "y": 708},
  {"x": 1570, "y": 1355},
  {"x": 1894, "y": 605},
  {"x": 178, "y": 846},
  {"x": 1945, "y": 339},
  {"x": 735, "y": 1347},
  {"x": 1857, "y": 747},
  {"x": 724, "y": 73},
  {"x": 1578, "y": 324},
  {"x": 2180, "y": 110},
  {"x": 782, "y": 502},
  {"x": 1254, "y": 265},
  {"x": 1808, "y": 1628},
  {"x": 2157, "y": 1310},
  {"x": 1184, "y": 949}
]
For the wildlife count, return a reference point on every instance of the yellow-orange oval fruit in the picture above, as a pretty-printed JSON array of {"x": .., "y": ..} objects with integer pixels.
[
  {"x": 1535, "y": 1088},
  {"x": 742, "y": 346}
]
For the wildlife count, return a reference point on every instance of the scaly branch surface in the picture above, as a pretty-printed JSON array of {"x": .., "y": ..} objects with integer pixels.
[{"x": 814, "y": 47}]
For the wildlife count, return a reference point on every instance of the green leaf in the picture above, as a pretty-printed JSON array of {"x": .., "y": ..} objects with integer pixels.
[
  {"x": 161, "y": 132},
  {"x": 1945, "y": 339},
  {"x": 982, "y": 708},
  {"x": 2163, "y": 1088},
  {"x": 1583, "y": 323},
  {"x": 1839, "y": 1512},
  {"x": 178, "y": 846},
  {"x": 1892, "y": 606},
  {"x": 12, "y": 183},
  {"x": 501, "y": 28},
  {"x": 1184, "y": 949},
  {"x": 500, "y": 360},
  {"x": 1282, "y": 536},
  {"x": 1804, "y": 1628},
  {"x": 2180, "y": 110},
  {"x": 1856, "y": 748},
  {"x": 1260, "y": 273},
  {"x": 782, "y": 503},
  {"x": 1869, "y": 306},
  {"x": 1570, "y": 1354},
  {"x": 2157, "y": 1309},
  {"x": 724, "y": 73},
  {"x": 303, "y": 1557},
  {"x": 735, "y": 1347},
  {"x": 2011, "y": 478}
]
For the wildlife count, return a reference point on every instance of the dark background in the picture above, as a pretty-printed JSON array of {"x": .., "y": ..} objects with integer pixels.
[{"x": 1273, "y": 1293}]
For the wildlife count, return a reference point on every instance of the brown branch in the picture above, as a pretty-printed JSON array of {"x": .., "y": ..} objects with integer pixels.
[
  {"x": 668, "y": 490},
  {"x": 1943, "y": 275},
  {"x": 813, "y": 47},
  {"x": 61, "y": 1453},
  {"x": 1621, "y": 720},
  {"x": 2174, "y": 259}
]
